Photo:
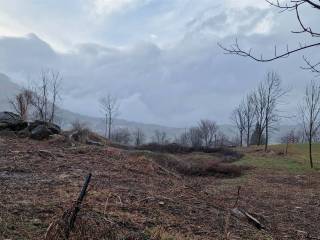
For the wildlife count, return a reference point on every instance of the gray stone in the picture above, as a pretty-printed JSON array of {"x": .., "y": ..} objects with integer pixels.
[
  {"x": 54, "y": 128},
  {"x": 40, "y": 132},
  {"x": 24, "y": 133},
  {"x": 12, "y": 121}
]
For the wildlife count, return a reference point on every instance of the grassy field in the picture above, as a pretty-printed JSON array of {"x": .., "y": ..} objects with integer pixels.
[{"x": 296, "y": 160}]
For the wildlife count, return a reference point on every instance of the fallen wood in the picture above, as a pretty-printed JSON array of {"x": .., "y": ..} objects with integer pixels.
[
  {"x": 90, "y": 142},
  {"x": 45, "y": 154},
  {"x": 245, "y": 216},
  {"x": 61, "y": 228},
  {"x": 78, "y": 203}
]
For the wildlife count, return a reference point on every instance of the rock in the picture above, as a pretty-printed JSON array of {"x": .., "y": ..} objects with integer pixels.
[
  {"x": 11, "y": 121},
  {"x": 40, "y": 132},
  {"x": 24, "y": 133},
  {"x": 9, "y": 117},
  {"x": 54, "y": 128},
  {"x": 56, "y": 138}
]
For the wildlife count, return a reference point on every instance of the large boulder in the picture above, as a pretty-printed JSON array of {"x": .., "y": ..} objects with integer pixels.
[
  {"x": 11, "y": 121},
  {"x": 9, "y": 117},
  {"x": 40, "y": 132},
  {"x": 54, "y": 128},
  {"x": 25, "y": 133}
]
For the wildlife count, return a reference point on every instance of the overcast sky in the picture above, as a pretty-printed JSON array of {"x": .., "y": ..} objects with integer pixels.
[{"x": 159, "y": 57}]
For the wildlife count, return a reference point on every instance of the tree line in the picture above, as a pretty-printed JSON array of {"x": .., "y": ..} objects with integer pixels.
[
  {"x": 256, "y": 117},
  {"x": 257, "y": 114},
  {"x": 206, "y": 134}
]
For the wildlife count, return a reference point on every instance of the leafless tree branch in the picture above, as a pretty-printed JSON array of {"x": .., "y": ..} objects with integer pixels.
[{"x": 293, "y": 5}]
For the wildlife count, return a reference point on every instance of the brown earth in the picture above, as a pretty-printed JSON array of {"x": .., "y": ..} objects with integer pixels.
[{"x": 137, "y": 198}]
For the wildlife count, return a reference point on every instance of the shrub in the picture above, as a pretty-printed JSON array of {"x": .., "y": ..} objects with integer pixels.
[
  {"x": 197, "y": 167},
  {"x": 211, "y": 168},
  {"x": 226, "y": 154}
]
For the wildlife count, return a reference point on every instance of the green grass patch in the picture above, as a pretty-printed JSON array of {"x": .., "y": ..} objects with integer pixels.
[
  {"x": 296, "y": 161},
  {"x": 287, "y": 164}
]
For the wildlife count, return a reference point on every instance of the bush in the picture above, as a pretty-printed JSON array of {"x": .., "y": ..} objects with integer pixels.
[
  {"x": 82, "y": 134},
  {"x": 227, "y": 154},
  {"x": 211, "y": 168},
  {"x": 197, "y": 167}
]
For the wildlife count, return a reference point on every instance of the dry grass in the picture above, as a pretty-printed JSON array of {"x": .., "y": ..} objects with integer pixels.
[
  {"x": 198, "y": 164},
  {"x": 138, "y": 198}
]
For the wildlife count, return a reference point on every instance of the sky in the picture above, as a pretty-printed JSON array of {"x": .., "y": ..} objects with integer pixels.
[{"x": 160, "y": 58}]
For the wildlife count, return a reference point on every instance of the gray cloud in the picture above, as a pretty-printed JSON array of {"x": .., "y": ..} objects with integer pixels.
[{"x": 175, "y": 85}]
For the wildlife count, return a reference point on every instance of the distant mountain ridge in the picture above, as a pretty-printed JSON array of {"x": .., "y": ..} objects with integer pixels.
[{"x": 8, "y": 89}]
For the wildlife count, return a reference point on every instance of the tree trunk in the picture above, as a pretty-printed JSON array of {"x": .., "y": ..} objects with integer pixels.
[
  {"x": 267, "y": 136},
  {"x": 106, "y": 132},
  {"x": 248, "y": 135},
  {"x": 310, "y": 152},
  {"x": 259, "y": 138},
  {"x": 109, "y": 128},
  {"x": 287, "y": 146},
  {"x": 241, "y": 136}
]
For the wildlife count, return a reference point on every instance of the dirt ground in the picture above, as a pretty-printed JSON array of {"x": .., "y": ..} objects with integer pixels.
[{"x": 40, "y": 180}]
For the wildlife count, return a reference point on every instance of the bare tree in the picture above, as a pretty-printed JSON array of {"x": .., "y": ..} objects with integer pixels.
[
  {"x": 310, "y": 114},
  {"x": 208, "y": 130},
  {"x": 121, "y": 135},
  {"x": 249, "y": 114},
  {"x": 273, "y": 93},
  {"x": 160, "y": 137},
  {"x": 109, "y": 106},
  {"x": 138, "y": 137},
  {"x": 301, "y": 136},
  {"x": 238, "y": 118},
  {"x": 221, "y": 139},
  {"x": 46, "y": 95},
  {"x": 195, "y": 135},
  {"x": 21, "y": 103},
  {"x": 260, "y": 106},
  {"x": 184, "y": 138},
  {"x": 291, "y": 6},
  {"x": 77, "y": 125},
  {"x": 289, "y": 138}
]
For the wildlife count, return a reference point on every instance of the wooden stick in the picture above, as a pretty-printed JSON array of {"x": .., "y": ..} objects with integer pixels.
[{"x": 78, "y": 204}]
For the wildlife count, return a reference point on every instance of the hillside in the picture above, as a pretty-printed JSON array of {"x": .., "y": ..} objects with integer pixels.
[
  {"x": 8, "y": 89},
  {"x": 136, "y": 195}
]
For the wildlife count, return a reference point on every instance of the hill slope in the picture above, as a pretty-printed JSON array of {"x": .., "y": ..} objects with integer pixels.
[
  {"x": 132, "y": 193},
  {"x": 8, "y": 89}
]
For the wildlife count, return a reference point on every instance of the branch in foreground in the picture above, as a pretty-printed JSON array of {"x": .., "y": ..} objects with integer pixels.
[
  {"x": 310, "y": 66},
  {"x": 235, "y": 49},
  {"x": 285, "y": 6}
]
